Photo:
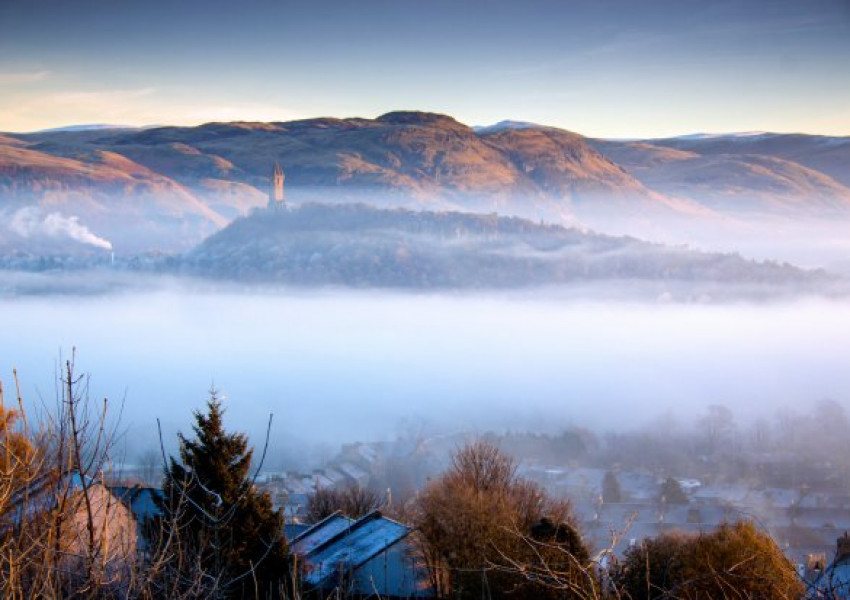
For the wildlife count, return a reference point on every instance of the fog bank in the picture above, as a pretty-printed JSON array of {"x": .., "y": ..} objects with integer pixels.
[{"x": 339, "y": 365}]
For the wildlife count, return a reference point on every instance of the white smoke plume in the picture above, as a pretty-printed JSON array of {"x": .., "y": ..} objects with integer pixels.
[{"x": 32, "y": 222}]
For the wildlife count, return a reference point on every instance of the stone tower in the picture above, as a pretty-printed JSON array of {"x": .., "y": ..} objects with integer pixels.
[{"x": 276, "y": 188}]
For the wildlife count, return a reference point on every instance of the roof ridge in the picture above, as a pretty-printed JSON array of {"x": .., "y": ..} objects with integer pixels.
[
  {"x": 316, "y": 526},
  {"x": 340, "y": 537},
  {"x": 352, "y": 526}
]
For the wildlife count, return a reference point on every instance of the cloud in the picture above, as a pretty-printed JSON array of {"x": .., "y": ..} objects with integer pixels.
[
  {"x": 15, "y": 78},
  {"x": 31, "y": 222}
]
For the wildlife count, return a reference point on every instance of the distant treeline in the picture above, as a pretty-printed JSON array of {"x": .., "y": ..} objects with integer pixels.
[{"x": 358, "y": 245}]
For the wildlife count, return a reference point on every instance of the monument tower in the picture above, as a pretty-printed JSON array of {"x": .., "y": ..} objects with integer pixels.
[{"x": 276, "y": 188}]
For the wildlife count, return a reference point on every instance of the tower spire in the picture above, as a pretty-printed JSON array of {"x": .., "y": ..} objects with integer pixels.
[{"x": 276, "y": 198}]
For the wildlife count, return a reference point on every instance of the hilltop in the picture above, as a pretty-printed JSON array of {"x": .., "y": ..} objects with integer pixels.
[{"x": 362, "y": 246}]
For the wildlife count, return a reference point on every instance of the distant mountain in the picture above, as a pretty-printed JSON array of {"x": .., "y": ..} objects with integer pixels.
[
  {"x": 171, "y": 186},
  {"x": 503, "y": 125},
  {"x": 828, "y": 154},
  {"x": 93, "y": 200},
  {"x": 419, "y": 153},
  {"x": 360, "y": 246},
  {"x": 714, "y": 136},
  {"x": 736, "y": 183},
  {"x": 415, "y": 158},
  {"x": 564, "y": 165},
  {"x": 91, "y": 127}
]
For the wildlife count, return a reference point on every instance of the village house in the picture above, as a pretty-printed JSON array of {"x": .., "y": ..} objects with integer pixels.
[
  {"x": 94, "y": 529},
  {"x": 142, "y": 503},
  {"x": 833, "y": 581},
  {"x": 373, "y": 555}
]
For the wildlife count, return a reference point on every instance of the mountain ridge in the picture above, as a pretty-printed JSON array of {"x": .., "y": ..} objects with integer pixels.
[{"x": 219, "y": 170}]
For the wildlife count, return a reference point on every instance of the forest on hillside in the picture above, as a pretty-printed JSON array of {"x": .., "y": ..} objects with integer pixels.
[{"x": 362, "y": 246}]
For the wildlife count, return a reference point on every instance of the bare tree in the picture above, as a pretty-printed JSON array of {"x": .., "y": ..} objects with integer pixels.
[
  {"x": 468, "y": 518},
  {"x": 353, "y": 501},
  {"x": 717, "y": 426},
  {"x": 62, "y": 533},
  {"x": 734, "y": 561},
  {"x": 150, "y": 467}
]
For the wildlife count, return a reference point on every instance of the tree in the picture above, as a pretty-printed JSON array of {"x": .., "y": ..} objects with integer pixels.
[
  {"x": 150, "y": 466},
  {"x": 483, "y": 527},
  {"x": 671, "y": 492},
  {"x": 611, "y": 488},
  {"x": 652, "y": 568},
  {"x": 717, "y": 426},
  {"x": 230, "y": 530},
  {"x": 735, "y": 561},
  {"x": 18, "y": 462},
  {"x": 353, "y": 501},
  {"x": 62, "y": 535}
]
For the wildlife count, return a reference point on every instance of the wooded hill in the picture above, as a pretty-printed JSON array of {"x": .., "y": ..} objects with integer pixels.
[{"x": 362, "y": 246}]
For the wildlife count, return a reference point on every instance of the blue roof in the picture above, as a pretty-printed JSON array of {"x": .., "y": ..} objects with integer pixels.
[
  {"x": 140, "y": 500},
  {"x": 320, "y": 533},
  {"x": 363, "y": 540},
  {"x": 293, "y": 530},
  {"x": 43, "y": 493},
  {"x": 834, "y": 582}
]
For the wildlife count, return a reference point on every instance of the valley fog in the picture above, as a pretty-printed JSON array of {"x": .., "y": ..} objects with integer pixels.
[{"x": 337, "y": 366}]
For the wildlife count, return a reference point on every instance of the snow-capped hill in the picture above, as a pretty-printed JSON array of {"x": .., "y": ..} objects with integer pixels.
[
  {"x": 87, "y": 127},
  {"x": 504, "y": 125}
]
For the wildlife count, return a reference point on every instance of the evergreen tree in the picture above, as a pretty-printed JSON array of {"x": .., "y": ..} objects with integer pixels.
[
  {"x": 671, "y": 492},
  {"x": 611, "y": 491},
  {"x": 226, "y": 527}
]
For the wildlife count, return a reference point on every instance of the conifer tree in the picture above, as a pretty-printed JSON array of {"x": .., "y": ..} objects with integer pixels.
[
  {"x": 226, "y": 527},
  {"x": 611, "y": 491},
  {"x": 671, "y": 492}
]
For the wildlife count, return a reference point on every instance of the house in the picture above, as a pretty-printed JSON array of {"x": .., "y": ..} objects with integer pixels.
[
  {"x": 293, "y": 505},
  {"x": 292, "y": 530},
  {"x": 85, "y": 522},
  {"x": 142, "y": 502},
  {"x": 370, "y": 556},
  {"x": 833, "y": 582}
]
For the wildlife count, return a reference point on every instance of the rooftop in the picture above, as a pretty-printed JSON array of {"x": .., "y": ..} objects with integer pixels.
[
  {"x": 350, "y": 548},
  {"x": 321, "y": 533}
]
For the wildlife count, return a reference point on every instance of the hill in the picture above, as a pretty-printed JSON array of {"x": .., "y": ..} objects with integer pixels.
[
  {"x": 737, "y": 183},
  {"x": 828, "y": 154},
  {"x": 361, "y": 246},
  {"x": 414, "y": 157},
  {"x": 166, "y": 188},
  {"x": 52, "y": 201}
]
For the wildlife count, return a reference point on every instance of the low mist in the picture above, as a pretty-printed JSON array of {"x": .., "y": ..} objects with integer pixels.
[{"x": 337, "y": 366}]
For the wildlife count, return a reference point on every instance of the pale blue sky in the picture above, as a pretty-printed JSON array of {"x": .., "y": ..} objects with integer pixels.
[{"x": 615, "y": 68}]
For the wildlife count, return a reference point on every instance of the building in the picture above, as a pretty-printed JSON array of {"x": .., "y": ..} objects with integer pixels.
[
  {"x": 833, "y": 582},
  {"x": 370, "y": 556},
  {"x": 142, "y": 502},
  {"x": 276, "y": 197},
  {"x": 85, "y": 522}
]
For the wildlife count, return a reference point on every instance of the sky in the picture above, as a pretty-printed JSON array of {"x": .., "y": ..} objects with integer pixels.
[{"x": 605, "y": 68}]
